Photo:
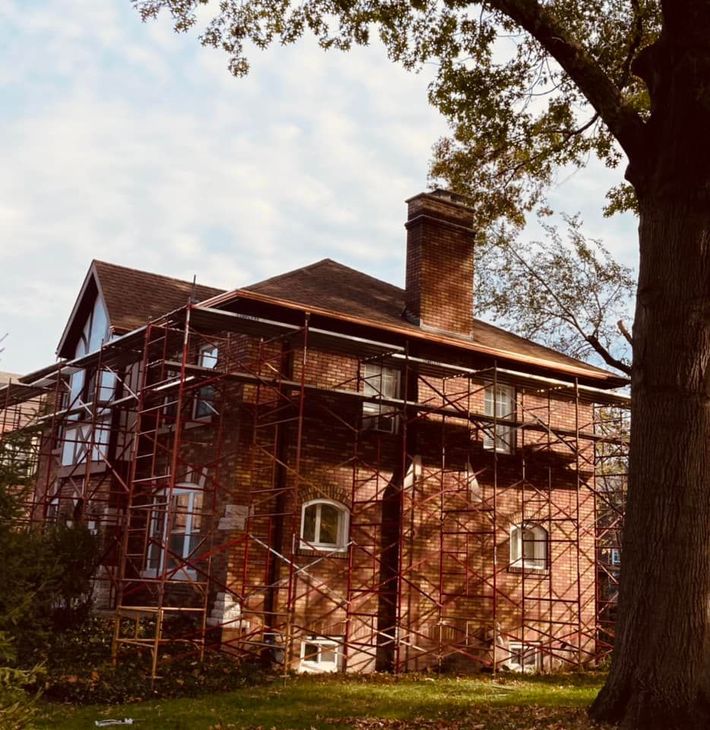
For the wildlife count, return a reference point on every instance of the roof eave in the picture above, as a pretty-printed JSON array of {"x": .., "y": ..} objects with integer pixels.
[{"x": 609, "y": 380}]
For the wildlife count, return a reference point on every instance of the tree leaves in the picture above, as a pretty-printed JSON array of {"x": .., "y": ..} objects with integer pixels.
[
  {"x": 515, "y": 113},
  {"x": 567, "y": 292}
]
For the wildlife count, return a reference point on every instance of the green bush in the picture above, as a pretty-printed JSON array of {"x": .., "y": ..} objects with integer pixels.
[
  {"x": 18, "y": 704},
  {"x": 46, "y": 579},
  {"x": 80, "y": 671}
]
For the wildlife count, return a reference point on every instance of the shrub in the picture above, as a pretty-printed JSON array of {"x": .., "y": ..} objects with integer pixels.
[
  {"x": 17, "y": 704},
  {"x": 80, "y": 670}
]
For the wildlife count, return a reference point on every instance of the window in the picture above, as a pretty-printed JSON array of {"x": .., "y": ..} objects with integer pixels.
[
  {"x": 528, "y": 547},
  {"x": 324, "y": 525},
  {"x": 380, "y": 382},
  {"x": 204, "y": 404},
  {"x": 499, "y": 404},
  {"x": 615, "y": 556},
  {"x": 75, "y": 440},
  {"x": 524, "y": 657},
  {"x": 83, "y": 390},
  {"x": 321, "y": 654},
  {"x": 175, "y": 531}
]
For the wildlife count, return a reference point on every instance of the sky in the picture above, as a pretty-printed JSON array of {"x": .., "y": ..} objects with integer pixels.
[{"x": 123, "y": 141}]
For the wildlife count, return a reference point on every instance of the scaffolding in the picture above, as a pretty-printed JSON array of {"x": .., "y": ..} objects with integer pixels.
[{"x": 193, "y": 445}]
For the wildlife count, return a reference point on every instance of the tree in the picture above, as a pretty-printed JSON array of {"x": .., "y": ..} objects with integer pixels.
[
  {"x": 568, "y": 293},
  {"x": 530, "y": 85},
  {"x": 45, "y": 574}
]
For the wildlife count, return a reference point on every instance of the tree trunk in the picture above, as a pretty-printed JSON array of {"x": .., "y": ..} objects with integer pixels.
[{"x": 660, "y": 669}]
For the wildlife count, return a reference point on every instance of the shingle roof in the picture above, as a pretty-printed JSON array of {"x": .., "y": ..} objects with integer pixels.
[
  {"x": 329, "y": 285},
  {"x": 134, "y": 297}
]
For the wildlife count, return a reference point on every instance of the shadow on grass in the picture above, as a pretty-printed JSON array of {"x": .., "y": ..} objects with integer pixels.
[{"x": 381, "y": 701}]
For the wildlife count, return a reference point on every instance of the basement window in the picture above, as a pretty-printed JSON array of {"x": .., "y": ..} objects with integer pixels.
[
  {"x": 380, "y": 382},
  {"x": 524, "y": 657},
  {"x": 500, "y": 405},
  {"x": 528, "y": 547},
  {"x": 324, "y": 525},
  {"x": 321, "y": 654}
]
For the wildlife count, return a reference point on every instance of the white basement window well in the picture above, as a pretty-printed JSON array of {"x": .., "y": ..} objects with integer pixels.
[
  {"x": 529, "y": 547},
  {"x": 524, "y": 657},
  {"x": 324, "y": 525},
  {"x": 321, "y": 654}
]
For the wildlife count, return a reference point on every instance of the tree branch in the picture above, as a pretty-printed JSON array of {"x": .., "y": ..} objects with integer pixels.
[
  {"x": 608, "y": 358},
  {"x": 624, "y": 331},
  {"x": 601, "y": 92}
]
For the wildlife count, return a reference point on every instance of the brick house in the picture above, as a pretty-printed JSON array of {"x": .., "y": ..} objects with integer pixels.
[{"x": 329, "y": 471}]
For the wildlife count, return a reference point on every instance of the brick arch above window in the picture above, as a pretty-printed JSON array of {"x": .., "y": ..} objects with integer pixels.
[{"x": 334, "y": 492}]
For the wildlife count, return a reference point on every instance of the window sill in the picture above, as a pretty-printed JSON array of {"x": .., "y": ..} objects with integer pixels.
[
  {"x": 326, "y": 552},
  {"x": 528, "y": 570}
]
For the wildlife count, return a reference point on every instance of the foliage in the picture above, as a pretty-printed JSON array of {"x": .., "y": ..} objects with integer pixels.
[
  {"x": 80, "y": 670},
  {"x": 375, "y": 701},
  {"x": 566, "y": 292},
  {"x": 46, "y": 579},
  {"x": 45, "y": 573},
  {"x": 17, "y": 705}
]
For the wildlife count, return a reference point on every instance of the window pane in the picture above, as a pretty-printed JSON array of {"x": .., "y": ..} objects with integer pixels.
[
  {"x": 310, "y": 652},
  {"x": 389, "y": 382},
  {"x": 309, "y": 523},
  {"x": 208, "y": 356},
  {"x": 99, "y": 327},
  {"x": 329, "y": 517},
  {"x": 181, "y": 504},
  {"x": 327, "y": 654},
  {"x": 529, "y": 552},
  {"x": 176, "y": 546},
  {"x": 196, "y": 512}
]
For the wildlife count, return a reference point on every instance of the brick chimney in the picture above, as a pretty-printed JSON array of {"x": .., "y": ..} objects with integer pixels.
[{"x": 439, "y": 286}]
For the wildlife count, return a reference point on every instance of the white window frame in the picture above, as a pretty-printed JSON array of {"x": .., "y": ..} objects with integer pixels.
[
  {"x": 541, "y": 543},
  {"x": 206, "y": 358},
  {"x": 381, "y": 382},
  {"x": 615, "y": 556},
  {"x": 525, "y": 648},
  {"x": 313, "y": 662},
  {"x": 343, "y": 526},
  {"x": 161, "y": 530},
  {"x": 499, "y": 403}
]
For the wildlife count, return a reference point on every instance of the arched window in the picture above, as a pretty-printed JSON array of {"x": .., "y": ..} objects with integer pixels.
[
  {"x": 324, "y": 525},
  {"x": 529, "y": 547}
]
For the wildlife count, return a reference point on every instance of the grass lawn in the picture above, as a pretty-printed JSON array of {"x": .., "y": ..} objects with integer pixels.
[{"x": 371, "y": 703}]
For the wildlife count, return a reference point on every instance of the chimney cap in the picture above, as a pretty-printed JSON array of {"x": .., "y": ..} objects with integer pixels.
[{"x": 444, "y": 196}]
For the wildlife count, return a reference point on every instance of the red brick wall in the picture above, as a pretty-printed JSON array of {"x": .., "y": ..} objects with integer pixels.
[
  {"x": 457, "y": 595},
  {"x": 439, "y": 279}
]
